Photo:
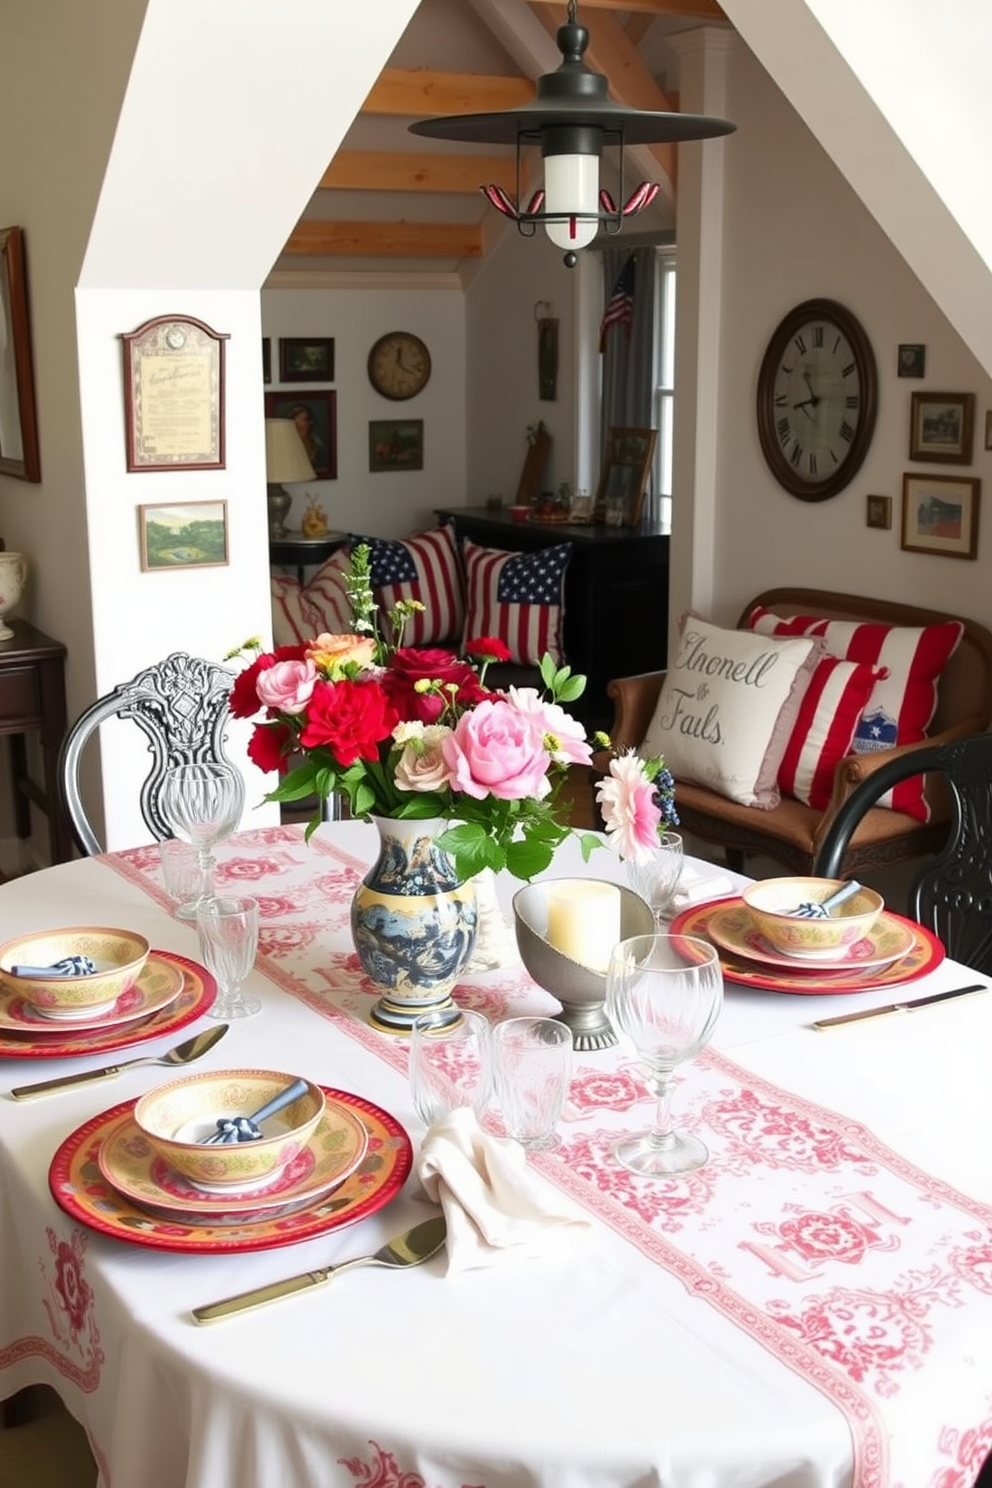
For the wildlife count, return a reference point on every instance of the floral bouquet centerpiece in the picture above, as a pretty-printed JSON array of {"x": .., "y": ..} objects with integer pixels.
[{"x": 457, "y": 776}]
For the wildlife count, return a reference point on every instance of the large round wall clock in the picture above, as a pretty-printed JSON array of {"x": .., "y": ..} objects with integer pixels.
[
  {"x": 399, "y": 365},
  {"x": 817, "y": 398}
]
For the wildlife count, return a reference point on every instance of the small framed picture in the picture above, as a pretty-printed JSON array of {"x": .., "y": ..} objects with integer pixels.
[
  {"x": 266, "y": 359},
  {"x": 940, "y": 515},
  {"x": 315, "y": 417},
  {"x": 396, "y": 444},
  {"x": 878, "y": 512},
  {"x": 912, "y": 361},
  {"x": 306, "y": 359},
  {"x": 189, "y": 534},
  {"x": 988, "y": 430},
  {"x": 580, "y": 506},
  {"x": 941, "y": 427}
]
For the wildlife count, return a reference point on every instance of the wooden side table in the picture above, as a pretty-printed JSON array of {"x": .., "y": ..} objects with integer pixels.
[
  {"x": 299, "y": 552},
  {"x": 32, "y": 697}
]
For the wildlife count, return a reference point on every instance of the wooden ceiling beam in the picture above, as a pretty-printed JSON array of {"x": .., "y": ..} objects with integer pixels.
[
  {"x": 386, "y": 239},
  {"x": 375, "y": 170},
  {"x": 422, "y": 93}
]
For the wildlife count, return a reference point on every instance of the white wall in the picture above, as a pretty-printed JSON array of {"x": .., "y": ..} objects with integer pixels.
[
  {"x": 794, "y": 230},
  {"x": 384, "y": 503}
]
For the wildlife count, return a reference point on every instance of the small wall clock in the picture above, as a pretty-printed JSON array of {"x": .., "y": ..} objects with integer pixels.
[
  {"x": 817, "y": 399},
  {"x": 399, "y": 365}
]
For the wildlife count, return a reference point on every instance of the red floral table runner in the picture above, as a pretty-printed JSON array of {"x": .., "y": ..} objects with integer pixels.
[{"x": 867, "y": 1276}]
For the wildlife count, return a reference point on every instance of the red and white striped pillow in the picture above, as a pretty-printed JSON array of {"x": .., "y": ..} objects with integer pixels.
[
  {"x": 423, "y": 567},
  {"x": 903, "y": 700},
  {"x": 517, "y": 597},
  {"x": 824, "y": 728},
  {"x": 300, "y": 612}
]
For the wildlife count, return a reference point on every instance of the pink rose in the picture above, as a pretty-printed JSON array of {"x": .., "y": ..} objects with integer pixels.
[
  {"x": 565, "y": 738},
  {"x": 287, "y": 686},
  {"x": 497, "y": 751},
  {"x": 421, "y": 766}
]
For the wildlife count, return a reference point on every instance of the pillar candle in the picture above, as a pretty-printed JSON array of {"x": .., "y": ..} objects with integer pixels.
[{"x": 584, "y": 921}]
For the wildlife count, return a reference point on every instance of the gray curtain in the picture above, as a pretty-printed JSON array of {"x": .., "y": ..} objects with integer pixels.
[{"x": 627, "y": 398}]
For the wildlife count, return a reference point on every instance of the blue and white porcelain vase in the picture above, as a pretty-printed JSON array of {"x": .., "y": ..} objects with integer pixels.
[{"x": 413, "y": 923}]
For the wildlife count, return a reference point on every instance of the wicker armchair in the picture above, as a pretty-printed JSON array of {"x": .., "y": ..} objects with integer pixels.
[{"x": 791, "y": 833}]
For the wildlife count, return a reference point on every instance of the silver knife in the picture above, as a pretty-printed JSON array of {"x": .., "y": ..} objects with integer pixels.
[{"x": 900, "y": 1007}]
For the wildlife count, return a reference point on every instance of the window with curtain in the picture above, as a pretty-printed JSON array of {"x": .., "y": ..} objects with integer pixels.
[{"x": 664, "y": 381}]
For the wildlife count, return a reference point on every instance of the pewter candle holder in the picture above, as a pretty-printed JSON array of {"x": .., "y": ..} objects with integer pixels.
[{"x": 581, "y": 990}]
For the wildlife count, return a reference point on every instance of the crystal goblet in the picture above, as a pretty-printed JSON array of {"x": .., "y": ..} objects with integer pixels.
[
  {"x": 450, "y": 1063},
  {"x": 228, "y": 931},
  {"x": 665, "y": 993},
  {"x": 532, "y": 1061},
  {"x": 202, "y": 803},
  {"x": 657, "y": 879}
]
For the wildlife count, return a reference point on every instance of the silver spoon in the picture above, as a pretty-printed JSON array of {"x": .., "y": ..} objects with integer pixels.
[
  {"x": 811, "y": 910},
  {"x": 183, "y": 1053},
  {"x": 408, "y": 1249}
]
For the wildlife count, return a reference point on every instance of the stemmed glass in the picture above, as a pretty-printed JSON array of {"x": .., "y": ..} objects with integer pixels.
[
  {"x": 202, "y": 803},
  {"x": 228, "y": 931},
  {"x": 657, "y": 880},
  {"x": 665, "y": 993}
]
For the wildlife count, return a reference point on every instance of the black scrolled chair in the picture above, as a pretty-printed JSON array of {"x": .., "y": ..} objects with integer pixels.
[
  {"x": 181, "y": 704},
  {"x": 952, "y": 894}
]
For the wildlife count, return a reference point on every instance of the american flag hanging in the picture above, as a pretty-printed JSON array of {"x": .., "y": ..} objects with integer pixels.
[{"x": 620, "y": 306}]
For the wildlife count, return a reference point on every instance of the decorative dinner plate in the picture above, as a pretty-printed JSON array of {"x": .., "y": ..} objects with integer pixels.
[
  {"x": 80, "y": 1189},
  {"x": 158, "y": 983},
  {"x": 195, "y": 996},
  {"x": 130, "y": 1166},
  {"x": 733, "y": 929},
  {"x": 924, "y": 954}
]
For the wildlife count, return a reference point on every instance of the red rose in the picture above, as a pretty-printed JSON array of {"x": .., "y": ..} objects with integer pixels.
[
  {"x": 244, "y": 697},
  {"x": 490, "y": 647},
  {"x": 410, "y": 665},
  {"x": 266, "y": 746},
  {"x": 350, "y": 718}
]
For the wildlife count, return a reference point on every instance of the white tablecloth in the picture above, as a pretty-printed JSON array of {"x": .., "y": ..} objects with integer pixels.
[{"x": 607, "y": 1367}]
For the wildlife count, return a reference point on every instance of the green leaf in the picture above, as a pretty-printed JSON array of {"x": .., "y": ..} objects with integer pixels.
[
  {"x": 526, "y": 859},
  {"x": 588, "y": 844},
  {"x": 573, "y": 688}
]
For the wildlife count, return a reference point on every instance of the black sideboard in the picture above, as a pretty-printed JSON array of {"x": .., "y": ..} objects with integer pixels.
[{"x": 616, "y": 594}]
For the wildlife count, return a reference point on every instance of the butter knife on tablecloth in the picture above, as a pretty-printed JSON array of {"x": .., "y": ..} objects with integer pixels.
[{"x": 900, "y": 1007}]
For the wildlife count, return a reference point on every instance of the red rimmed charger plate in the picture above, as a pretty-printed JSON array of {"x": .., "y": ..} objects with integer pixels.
[
  {"x": 925, "y": 953},
  {"x": 197, "y": 994},
  {"x": 80, "y": 1189}
]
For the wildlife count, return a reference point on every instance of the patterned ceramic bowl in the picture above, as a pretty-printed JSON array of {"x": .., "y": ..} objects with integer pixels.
[
  {"x": 771, "y": 900},
  {"x": 119, "y": 956},
  {"x": 177, "y": 1117}
]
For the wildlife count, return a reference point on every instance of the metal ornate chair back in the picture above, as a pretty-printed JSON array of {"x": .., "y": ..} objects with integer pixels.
[
  {"x": 181, "y": 704},
  {"x": 952, "y": 895}
]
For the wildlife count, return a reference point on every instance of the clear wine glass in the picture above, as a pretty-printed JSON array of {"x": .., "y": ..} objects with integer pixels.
[
  {"x": 202, "y": 803},
  {"x": 228, "y": 931},
  {"x": 665, "y": 993},
  {"x": 657, "y": 880}
]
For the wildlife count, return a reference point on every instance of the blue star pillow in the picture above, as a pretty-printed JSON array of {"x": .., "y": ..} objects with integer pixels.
[
  {"x": 425, "y": 568},
  {"x": 517, "y": 597}
]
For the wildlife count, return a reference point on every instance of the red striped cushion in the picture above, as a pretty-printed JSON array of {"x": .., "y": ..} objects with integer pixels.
[
  {"x": 425, "y": 568},
  {"x": 292, "y": 618},
  {"x": 327, "y": 597},
  {"x": 903, "y": 702},
  {"x": 824, "y": 728},
  {"x": 518, "y": 598}
]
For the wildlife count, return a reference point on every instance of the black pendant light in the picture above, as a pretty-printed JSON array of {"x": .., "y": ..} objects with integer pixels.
[{"x": 571, "y": 118}]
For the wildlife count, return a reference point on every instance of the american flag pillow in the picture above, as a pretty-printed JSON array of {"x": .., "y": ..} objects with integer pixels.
[
  {"x": 518, "y": 598},
  {"x": 423, "y": 567}
]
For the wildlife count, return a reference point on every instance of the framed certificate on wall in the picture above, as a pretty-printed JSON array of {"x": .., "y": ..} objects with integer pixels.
[{"x": 174, "y": 395}]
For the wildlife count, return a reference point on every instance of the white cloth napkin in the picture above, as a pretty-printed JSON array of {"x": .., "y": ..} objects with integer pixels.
[
  {"x": 697, "y": 889},
  {"x": 492, "y": 1202}
]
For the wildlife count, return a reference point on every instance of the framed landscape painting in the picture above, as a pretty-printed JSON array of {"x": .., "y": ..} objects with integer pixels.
[
  {"x": 941, "y": 427},
  {"x": 940, "y": 515},
  {"x": 189, "y": 534},
  {"x": 306, "y": 359},
  {"x": 396, "y": 444}
]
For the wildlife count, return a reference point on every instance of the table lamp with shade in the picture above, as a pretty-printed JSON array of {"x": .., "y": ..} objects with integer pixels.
[{"x": 285, "y": 460}]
